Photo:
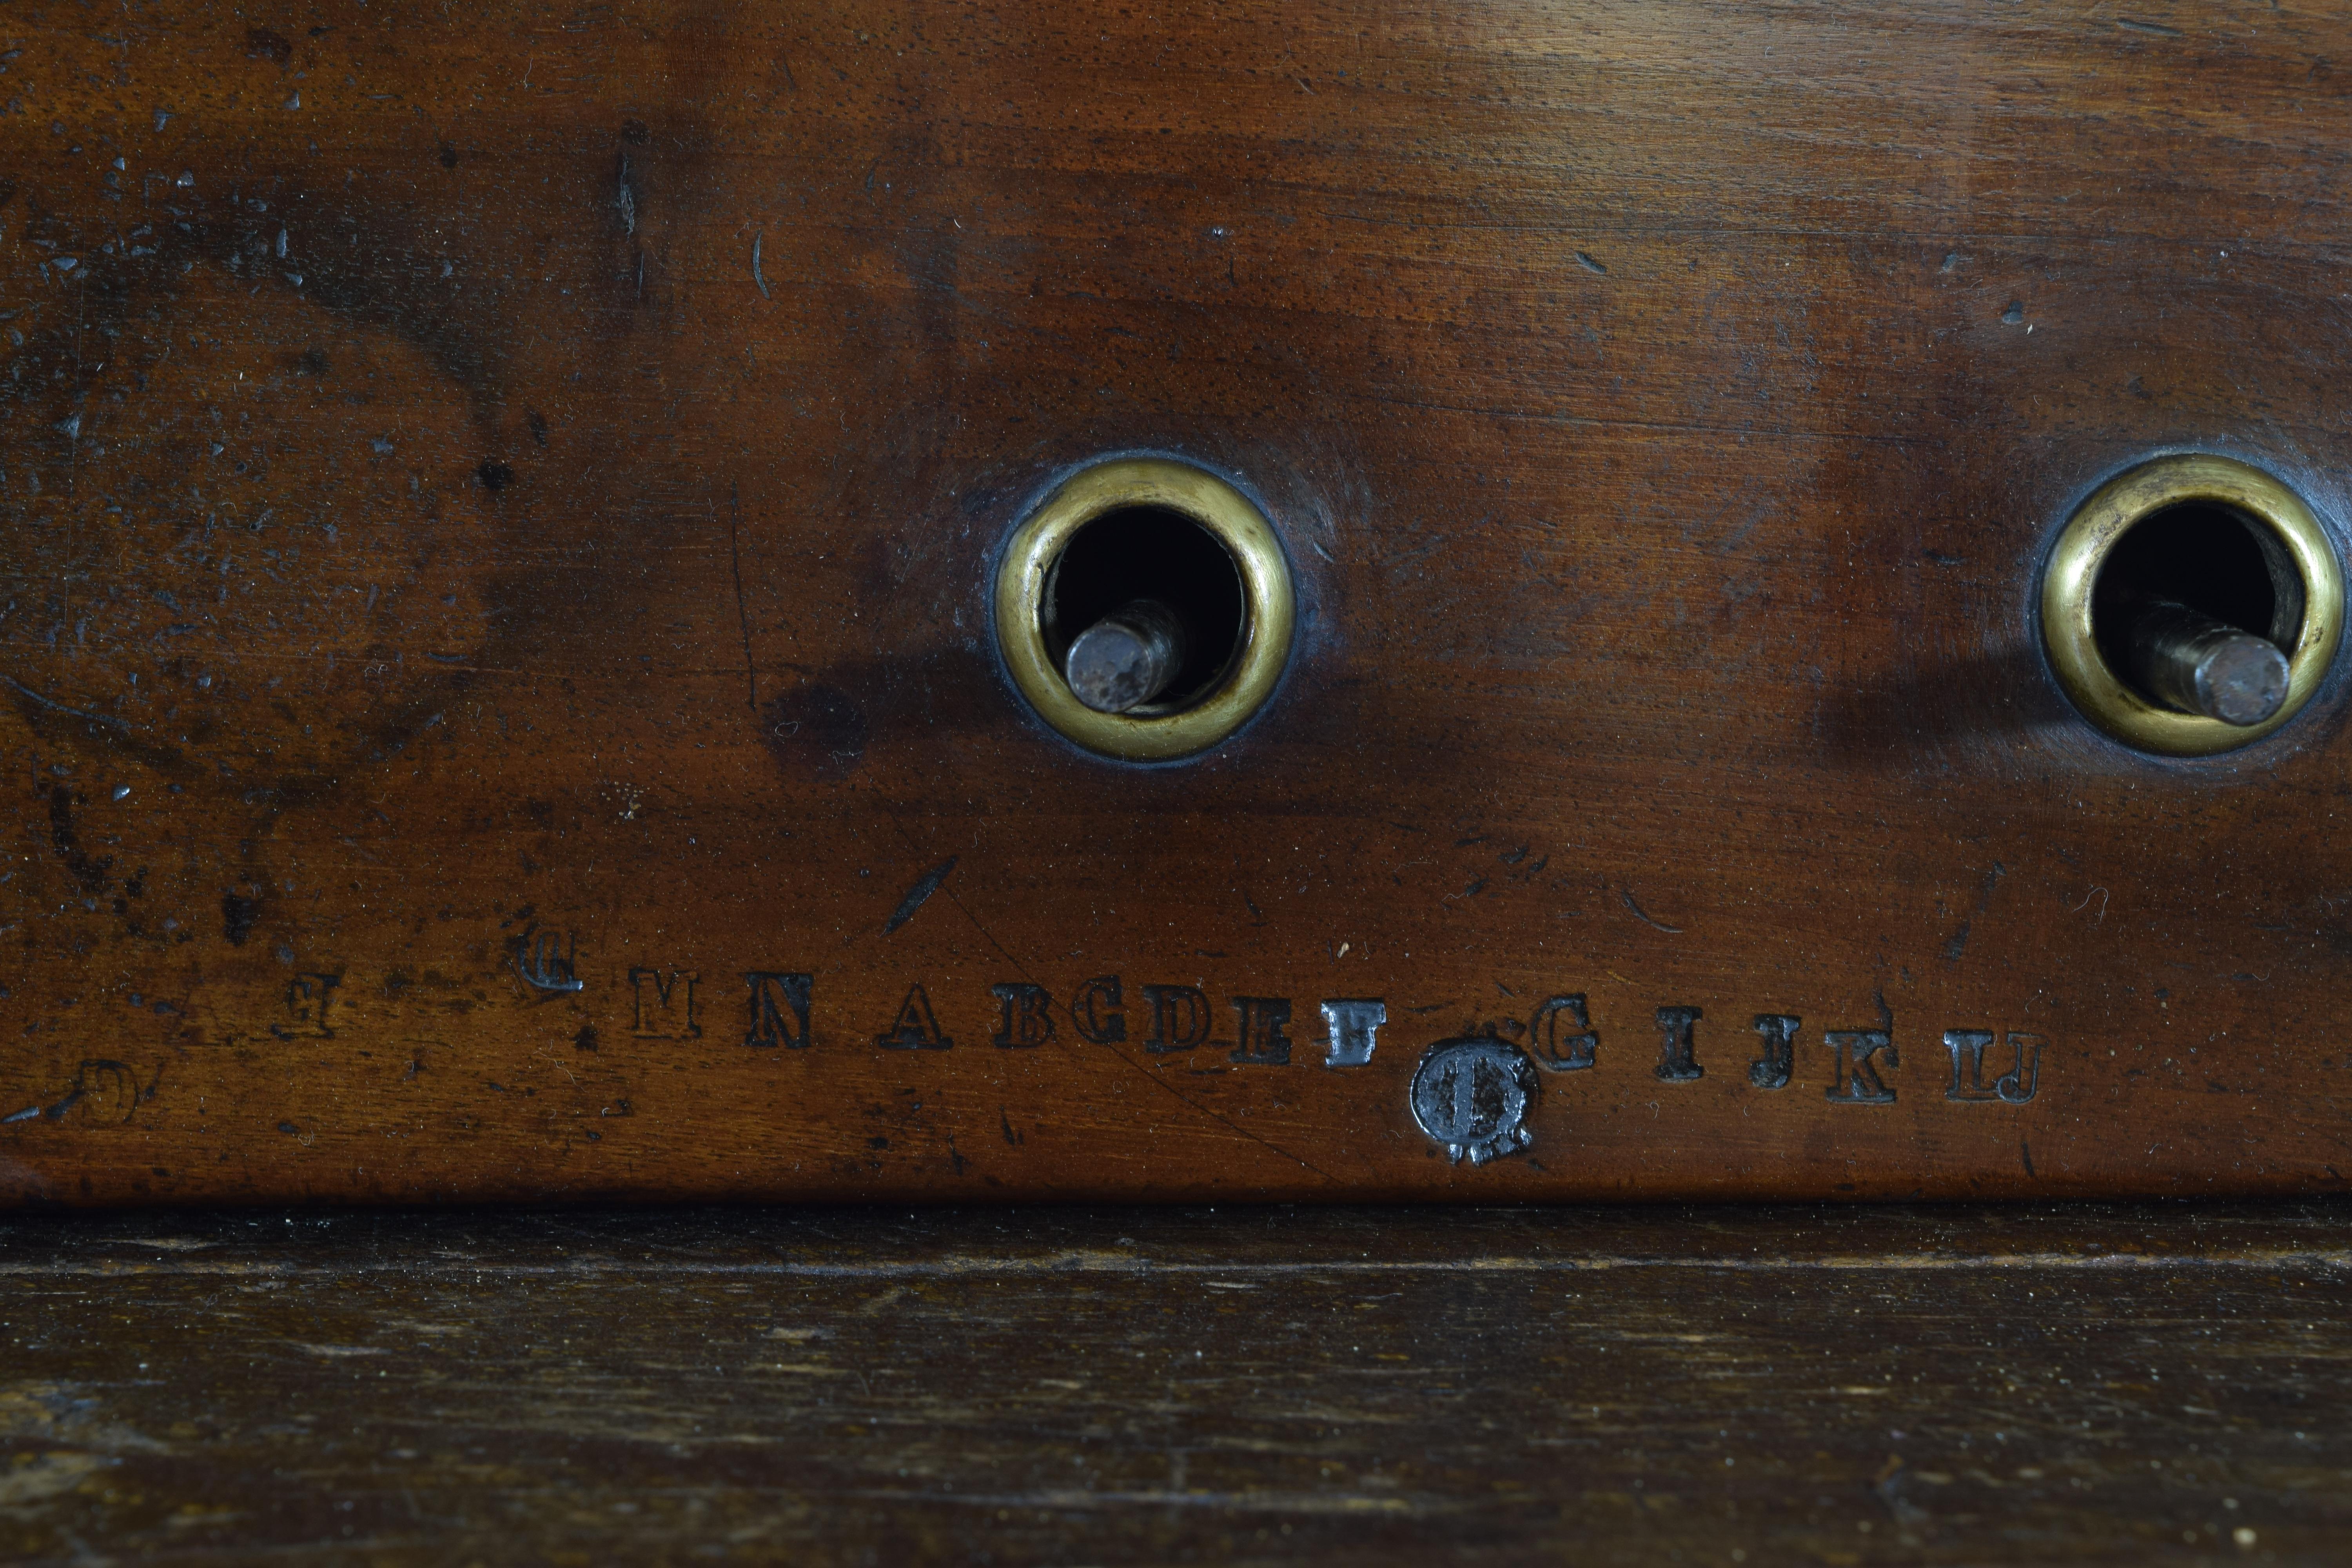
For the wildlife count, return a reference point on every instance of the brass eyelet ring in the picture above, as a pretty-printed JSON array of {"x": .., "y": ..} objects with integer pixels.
[
  {"x": 1269, "y": 614},
  {"x": 2294, "y": 539}
]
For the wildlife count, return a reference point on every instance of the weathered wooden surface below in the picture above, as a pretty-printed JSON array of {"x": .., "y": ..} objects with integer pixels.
[{"x": 2165, "y": 1384}]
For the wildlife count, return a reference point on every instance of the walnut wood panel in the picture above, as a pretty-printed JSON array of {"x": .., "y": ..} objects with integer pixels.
[
  {"x": 510, "y": 501},
  {"x": 2045, "y": 1385}
]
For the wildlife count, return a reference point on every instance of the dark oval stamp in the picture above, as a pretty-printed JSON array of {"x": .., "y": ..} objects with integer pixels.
[{"x": 1473, "y": 1095}]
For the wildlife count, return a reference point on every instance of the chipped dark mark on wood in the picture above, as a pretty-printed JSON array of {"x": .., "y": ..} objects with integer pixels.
[
  {"x": 925, "y": 886},
  {"x": 1958, "y": 944},
  {"x": 448, "y": 156},
  {"x": 625, "y": 203},
  {"x": 261, "y": 44},
  {"x": 238, "y": 914},
  {"x": 2025, "y": 1156},
  {"x": 538, "y": 422},
  {"x": 1640, "y": 914},
  {"x": 494, "y": 477},
  {"x": 91, "y": 874}
]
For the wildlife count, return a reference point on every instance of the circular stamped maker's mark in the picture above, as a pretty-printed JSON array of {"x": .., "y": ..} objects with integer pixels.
[{"x": 1473, "y": 1095}]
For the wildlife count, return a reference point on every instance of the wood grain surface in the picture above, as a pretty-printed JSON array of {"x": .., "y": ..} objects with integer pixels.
[
  {"x": 1909, "y": 1385},
  {"x": 513, "y": 494}
]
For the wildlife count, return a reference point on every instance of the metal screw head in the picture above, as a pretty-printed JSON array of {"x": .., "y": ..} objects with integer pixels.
[
  {"x": 2199, "y": 665},
  {"x": 1127, "y": 658},
  {"x": 2243, "y": 681}
]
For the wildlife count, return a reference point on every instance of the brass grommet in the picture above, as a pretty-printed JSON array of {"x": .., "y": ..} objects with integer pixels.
[
  {"x": 2308, "y": 598},
  {"x": 1026, "y": 628}
]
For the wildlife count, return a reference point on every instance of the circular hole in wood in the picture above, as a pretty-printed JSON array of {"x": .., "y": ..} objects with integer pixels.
[
  {"x": 2192, "y": 605},
  {"x": 1152, "y": 555},
  {"x": 1188, "y": 574}
]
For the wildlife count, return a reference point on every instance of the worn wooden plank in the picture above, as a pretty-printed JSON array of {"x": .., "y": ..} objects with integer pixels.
[
  {"x": 536, "y": 477},
  {"x": 1893, "y": 1386}
]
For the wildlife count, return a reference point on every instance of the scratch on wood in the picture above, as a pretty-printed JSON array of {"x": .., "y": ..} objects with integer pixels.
[
  {"x": 742, "y": 618},
  {"x": 925, "y": 886},
  {"x": 756, "y": 277},
  {"x": 110, "y": 723},
  {"x": 1640, "y": 914}
]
